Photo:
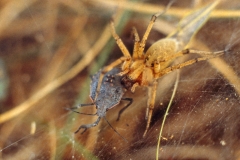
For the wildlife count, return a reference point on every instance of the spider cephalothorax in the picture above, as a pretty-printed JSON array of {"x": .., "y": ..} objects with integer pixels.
[{"x": 145, "y": 68}]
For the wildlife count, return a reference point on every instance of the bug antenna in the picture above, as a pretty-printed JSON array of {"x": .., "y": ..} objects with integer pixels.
[
  {"x": 82, "y": 105},
  {"x": 72, "y": 109},
  {"x": 115, "y": 130}
]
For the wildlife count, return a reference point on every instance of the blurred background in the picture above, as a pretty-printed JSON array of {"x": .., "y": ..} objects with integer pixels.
[{"x": 49, "y": 49}]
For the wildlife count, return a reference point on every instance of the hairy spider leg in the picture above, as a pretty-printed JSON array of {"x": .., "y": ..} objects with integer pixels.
[
  {"x": 191, "y": 51},
  {"x": 145, "y": 36},
  {"x": 185, "y": 52},
  {"x": 136, "y": 44},
  {"x": 190, "y": 62},
  {"x": 152, "y": 91},
  {"x": 149, "y": 28},
  {"x": 119, "y": 42}
]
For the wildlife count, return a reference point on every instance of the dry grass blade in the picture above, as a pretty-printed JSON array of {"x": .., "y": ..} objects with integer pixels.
[
  {"x": 165, "y": 116},
  {"x": 173, "y": 11},
  {"x": 7, "y": 15}
]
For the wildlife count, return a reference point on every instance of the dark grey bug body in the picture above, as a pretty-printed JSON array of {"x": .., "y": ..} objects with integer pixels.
[{"x": 110, "y": 94}]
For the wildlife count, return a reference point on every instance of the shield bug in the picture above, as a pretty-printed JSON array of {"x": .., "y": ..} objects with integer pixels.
[{"x": 110, "y": 94}]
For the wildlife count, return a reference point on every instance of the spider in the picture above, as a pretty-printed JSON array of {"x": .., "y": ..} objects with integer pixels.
[{"x": 145, "y": 68}]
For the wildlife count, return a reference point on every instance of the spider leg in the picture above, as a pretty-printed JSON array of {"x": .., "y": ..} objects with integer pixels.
[
  {"x": 150, "y": 107},
  {"x": 150, "y": 25},
  {"x": 190, "y": 51},
  {"x": 184, "y": 64},
  {"x": 134, "y": 86},
  {"x": 119, "y": 41},
  {"x": 86, "y": 126},
  {"x": 114, "y": 64},
  {"x": 185, "y": 52},
  {"x": 205, "y": 53},
  {"x": 127, "y": 57},
  {"x": 145, "y": 36},
  {"x": 136, "y": 44},
  {"x": 123, "y": 109}
]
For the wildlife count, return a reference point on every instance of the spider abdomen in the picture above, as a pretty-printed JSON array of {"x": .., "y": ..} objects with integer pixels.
[{"x": 161, "y": 52}]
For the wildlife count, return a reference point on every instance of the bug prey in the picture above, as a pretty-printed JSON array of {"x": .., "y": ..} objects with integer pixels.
[{"x": 110, "y": 94}]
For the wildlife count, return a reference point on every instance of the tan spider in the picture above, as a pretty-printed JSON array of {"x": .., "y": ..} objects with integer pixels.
[{"x": 144, "y": 69}]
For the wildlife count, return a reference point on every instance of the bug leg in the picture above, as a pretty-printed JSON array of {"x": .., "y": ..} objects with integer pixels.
[
  {"x": 150, "y": 107},
  {"x": 86, "y": 126},
  {"x": 123, "y": 109}
]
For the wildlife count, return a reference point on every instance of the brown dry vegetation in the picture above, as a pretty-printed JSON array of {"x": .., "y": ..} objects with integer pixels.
[{"x": 48, "y": 49}]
